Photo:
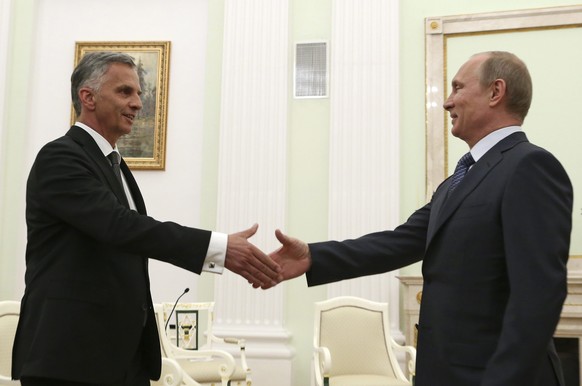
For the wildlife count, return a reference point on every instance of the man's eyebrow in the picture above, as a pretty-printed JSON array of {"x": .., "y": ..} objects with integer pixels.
[
  {"x": 455, "y": 82},
  {"x": 127, "y": 87}
]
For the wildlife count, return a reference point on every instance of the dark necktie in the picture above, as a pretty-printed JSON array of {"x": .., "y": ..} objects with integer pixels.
[
  {"x": 114, "y": 157},
  {"x": 462, "y": 166}
]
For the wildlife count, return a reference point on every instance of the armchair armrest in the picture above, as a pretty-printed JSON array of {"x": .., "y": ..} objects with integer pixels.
[
  {"x": 171, "y": 373},
  {"x": 411, "y": 351},
  {"x": 226, "y": 369},
  {"x": 241, "y": 343},
  {"x": 322, "y": 365}
]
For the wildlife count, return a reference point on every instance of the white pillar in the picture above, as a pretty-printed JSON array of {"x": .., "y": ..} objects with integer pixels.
[
  {"x": 252, "y": 173},
  {"x": 364, "y": 142}
]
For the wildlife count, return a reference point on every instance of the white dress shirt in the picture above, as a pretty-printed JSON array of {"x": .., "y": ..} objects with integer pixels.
[{"x": 492, "y": 139}]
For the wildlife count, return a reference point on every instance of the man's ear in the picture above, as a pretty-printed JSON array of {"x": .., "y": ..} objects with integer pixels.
[
  {"x": 87, "y": 97},
  {"x": 498, "y": 89}
]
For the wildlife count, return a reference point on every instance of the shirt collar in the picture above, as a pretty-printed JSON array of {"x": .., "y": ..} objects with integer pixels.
[
  {"x": 486, "y": 143},
  {"x": 101, "y": 142}
]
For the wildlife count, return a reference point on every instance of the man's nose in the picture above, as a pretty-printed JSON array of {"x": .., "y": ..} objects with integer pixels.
[
  {"x": 448, "y": 104},
  {"x": 136, "y": 103}
]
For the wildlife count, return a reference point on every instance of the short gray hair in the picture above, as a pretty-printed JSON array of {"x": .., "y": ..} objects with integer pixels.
[
  {"x": 507, "y": 66},
  {"x": 90, "y": 70}
]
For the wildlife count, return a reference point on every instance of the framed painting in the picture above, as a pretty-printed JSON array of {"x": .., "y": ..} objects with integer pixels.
[
  {"x": 145, "y": 147},
  {"x": 543, "y": 38}
]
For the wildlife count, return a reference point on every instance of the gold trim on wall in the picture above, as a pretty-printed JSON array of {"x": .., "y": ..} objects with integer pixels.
[
  {"x": 438, "y": 32},
  {"x": 145, "y": 147}
]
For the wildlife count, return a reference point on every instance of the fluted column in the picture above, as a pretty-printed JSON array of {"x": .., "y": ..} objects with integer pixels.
[
  {"x": 252, "y": 162},
  {"x": 364, "y": 143}
]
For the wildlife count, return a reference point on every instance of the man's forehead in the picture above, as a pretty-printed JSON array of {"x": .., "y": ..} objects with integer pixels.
[
  {"x": 468, "y": 69},
  {"x": 122, "y": 72}
]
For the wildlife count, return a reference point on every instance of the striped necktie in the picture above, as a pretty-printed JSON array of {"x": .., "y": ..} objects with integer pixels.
[{"x": 462, "y": 167}]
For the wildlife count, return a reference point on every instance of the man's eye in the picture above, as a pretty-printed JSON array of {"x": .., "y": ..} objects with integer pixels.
[{"x": 126, "y": 90}]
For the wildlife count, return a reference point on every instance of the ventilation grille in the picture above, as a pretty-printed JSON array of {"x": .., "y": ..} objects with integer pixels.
[{"x": 311, "y": 70}]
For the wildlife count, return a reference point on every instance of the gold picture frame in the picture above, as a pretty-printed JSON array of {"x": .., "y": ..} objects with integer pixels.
[{"x": 145, "y": 147}]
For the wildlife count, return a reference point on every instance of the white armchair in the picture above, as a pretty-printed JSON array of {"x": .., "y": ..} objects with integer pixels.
[
  {"x": 9, "y": 314},
  {"x": 204, "y": 365},
  {"x": 353, "y": 345}
]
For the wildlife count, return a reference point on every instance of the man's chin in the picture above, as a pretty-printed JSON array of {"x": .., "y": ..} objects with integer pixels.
[{"x": 127, "y": 131}]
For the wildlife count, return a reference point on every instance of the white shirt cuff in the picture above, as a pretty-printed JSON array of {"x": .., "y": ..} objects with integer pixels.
[{"x": 216, "y": 254}]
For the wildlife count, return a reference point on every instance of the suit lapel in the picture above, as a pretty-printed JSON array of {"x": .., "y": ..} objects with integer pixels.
[
  {"x": 437, "y": 203},
  {"x": 133, "y": 188},
  {"x": 86, "y": 141},
  {"x": 444, "y": 207},
  {"x": 139, "y": 205}
]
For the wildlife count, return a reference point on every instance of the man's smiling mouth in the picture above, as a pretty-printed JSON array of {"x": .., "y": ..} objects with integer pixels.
[{"x": 131, "y": 117}]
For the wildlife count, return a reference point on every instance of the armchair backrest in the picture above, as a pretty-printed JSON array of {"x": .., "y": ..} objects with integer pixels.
[
  {"x": 199, "y": 315},
  {"x": 357, "y": 335},
  {"x": 9, "y": 314}
]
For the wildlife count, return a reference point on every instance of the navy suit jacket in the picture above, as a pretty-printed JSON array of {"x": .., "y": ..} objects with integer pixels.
[
  {"x": 87, "y": 307},
  {"x": 494, "y": 266}
]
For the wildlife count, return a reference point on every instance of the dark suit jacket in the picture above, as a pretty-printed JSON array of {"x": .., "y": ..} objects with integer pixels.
[
  {"x": 87, "y": 291},
  {"x": 494, "y": 266}
]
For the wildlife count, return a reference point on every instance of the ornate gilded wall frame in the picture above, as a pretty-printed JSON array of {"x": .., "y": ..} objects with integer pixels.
[
  {"x": 145, "y": 147},
  {"x": 487, "y": 31}
]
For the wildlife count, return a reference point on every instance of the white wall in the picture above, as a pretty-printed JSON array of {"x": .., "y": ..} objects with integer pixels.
[
  {"x": 173, "y": 194},
  {"x": 5, "y": 8},
  {"x": 14, "y": 89}
]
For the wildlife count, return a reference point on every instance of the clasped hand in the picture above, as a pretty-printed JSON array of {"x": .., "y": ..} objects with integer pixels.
[{"x": 292, "y": 259}]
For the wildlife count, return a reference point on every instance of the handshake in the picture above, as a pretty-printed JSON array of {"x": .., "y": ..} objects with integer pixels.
[{"x": 292, "y": 259}]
